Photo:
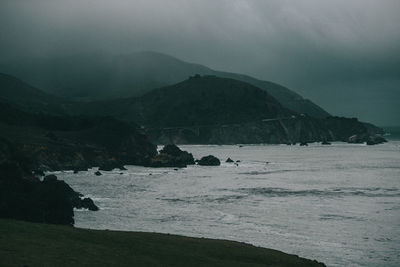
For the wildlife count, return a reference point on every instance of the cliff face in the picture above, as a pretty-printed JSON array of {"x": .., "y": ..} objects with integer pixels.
[
  {"x": 202, "y": 109},
  {"x": 23, "y": 196},
  {"x": 297, "y": 129},
  {"x": 75, "y": 143},
  {"x": 213, "y": 110}
]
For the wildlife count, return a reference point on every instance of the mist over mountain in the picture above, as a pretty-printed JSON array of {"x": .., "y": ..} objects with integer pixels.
[
  {"x": 202, "y": 109},
  {"x": 343, "y": 55},
  {"x": 274, "y": 115},
  {"x": 106, "y": 77}
]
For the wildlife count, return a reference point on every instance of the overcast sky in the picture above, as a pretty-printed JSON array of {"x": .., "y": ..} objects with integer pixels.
[{"x": 342, "y": 54}]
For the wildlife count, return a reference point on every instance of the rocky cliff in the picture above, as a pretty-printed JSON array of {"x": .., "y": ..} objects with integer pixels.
[
  {"x": 296, "y": 129},
  {"x": 76, "y": 143},
  {"x": 23, "y": 196}
]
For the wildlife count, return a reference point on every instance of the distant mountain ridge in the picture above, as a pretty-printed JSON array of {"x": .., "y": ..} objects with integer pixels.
[
  {"x": 94, "y": 76},
  {"x": 202, "y": 109},
  {"x": 27, "y": 97},
  {"x": 199, "y": 100}
]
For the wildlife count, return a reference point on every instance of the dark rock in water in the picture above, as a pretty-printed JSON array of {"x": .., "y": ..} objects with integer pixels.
[
  {"x": 59, "y": 187},
  {"x": 89, "y": 204},
  {"x": 238, "y": 161},
  {"x": 98, "y": 173},
  {"x": 356, "y": 139},
  {"x": 303, "y": 144},
  {"x": 229, "y": 160},
  {"x": 76, "y": 171},
  {"x": 165, "y": 160},
  {"x": 32, "y": 200},
  {"x": 375, "y": 140},
  {"x": 325, "y": 143},
  {"x": 171, "y": 149},
  {"x": 172, "y": 156},
  {"x": 85, "y": 203},
  {"x": 209, "y": 161},
  {"x": 180, "y": 156},
  {"x": 24, "y": 197}
]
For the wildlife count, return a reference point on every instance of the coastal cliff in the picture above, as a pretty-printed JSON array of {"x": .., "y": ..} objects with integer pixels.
[
  {"x": 73, "y": 142},
  {"x": 292, "y": 130}
]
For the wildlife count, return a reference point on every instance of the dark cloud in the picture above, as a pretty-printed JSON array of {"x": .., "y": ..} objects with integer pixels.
[{"x": 343, "y": 54}]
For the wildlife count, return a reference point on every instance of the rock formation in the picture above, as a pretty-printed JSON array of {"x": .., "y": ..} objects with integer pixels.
[
  {"x": 23, "y": 196},
  {"x": 172, "y": 156},
  {"x": 209, "y": 161}
]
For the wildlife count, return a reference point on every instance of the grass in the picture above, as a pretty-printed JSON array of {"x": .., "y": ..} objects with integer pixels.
[{"x": 32, "y": 244}]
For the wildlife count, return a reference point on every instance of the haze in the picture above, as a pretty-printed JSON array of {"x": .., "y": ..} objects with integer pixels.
[{"x": 344, "y": 55}]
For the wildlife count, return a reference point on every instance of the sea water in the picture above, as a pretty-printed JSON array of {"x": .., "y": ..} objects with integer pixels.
[{"x": 338, "y": 204}]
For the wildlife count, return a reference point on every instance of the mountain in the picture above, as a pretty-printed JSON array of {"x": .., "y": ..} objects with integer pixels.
[
  {"x": 201, "y": 109},
  {"x": 95, "y": 76},
  {"x": 207, "y": 100},
  {"x": 213, "y": 110},
  {"x": 27, "y": 97}
]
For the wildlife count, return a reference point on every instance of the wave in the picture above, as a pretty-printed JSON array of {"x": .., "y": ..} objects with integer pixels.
[
  {"x": 331, "y": 192},
  {"x": 205, "y": 198},
  {"x": 338, "y": 217},
  {"x": 269, "y": 172}
]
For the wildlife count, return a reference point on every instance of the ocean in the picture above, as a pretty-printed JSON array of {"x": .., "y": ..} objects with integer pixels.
[{"x": 338, "y": 204}]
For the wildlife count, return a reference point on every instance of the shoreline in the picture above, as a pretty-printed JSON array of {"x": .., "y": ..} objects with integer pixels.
[{"x": 34, "y": 244}]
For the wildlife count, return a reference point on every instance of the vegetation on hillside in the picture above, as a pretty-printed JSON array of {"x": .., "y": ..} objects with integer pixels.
[{"x": 29, "y": 244}]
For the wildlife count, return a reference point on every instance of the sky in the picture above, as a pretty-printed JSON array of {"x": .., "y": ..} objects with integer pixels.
[{"x": 344, "y": 55}]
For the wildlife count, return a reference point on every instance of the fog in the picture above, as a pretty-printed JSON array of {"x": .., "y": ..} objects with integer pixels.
[{"x": 344, "y": 55}]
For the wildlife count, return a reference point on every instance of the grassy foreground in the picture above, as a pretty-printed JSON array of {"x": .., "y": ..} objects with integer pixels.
[{"x": 32, "y": 244}]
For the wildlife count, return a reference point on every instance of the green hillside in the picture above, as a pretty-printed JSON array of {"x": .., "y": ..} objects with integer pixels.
[{"x": 29, "y": 244}]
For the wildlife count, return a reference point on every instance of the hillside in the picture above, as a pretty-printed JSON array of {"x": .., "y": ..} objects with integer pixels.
[
  {"x": 27, "y": 97},
  {"x": 206, "y": 100},
  {"x": 201, "y": 109},
  {"x": 213, "y": 110},
  {"x": 54, "y": 142},
  {"x": 29, "y": 244},
  {"x": 105, "y": 76},
  {"x": 209, "y": 100}
]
